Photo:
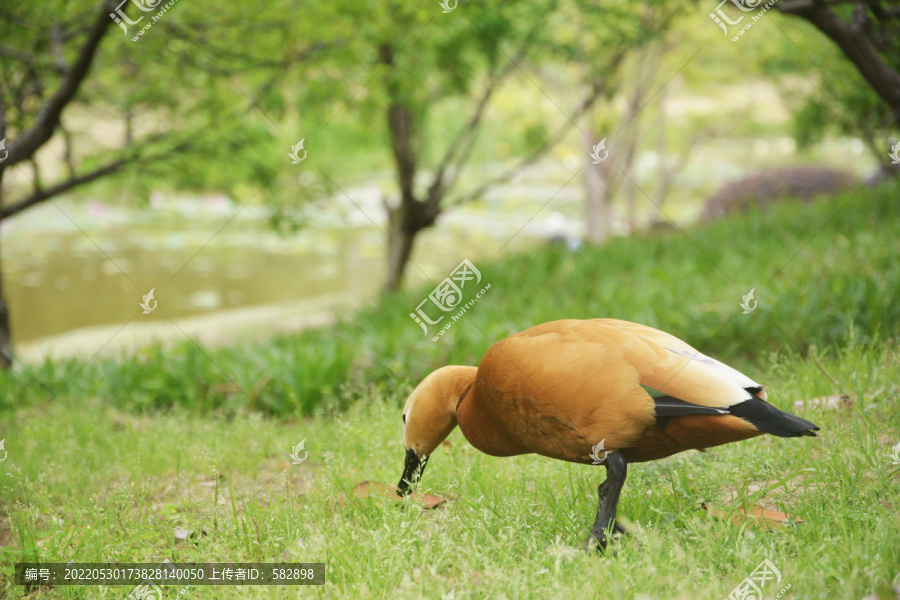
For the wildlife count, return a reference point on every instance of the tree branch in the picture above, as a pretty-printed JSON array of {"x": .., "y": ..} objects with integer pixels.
[
  {"x": 855, "y": 45},
  {"x": 597, "y": 90},
  {"x": 40, "y": 195},
  {"x": 47, "y": 119},
  {"x": 466, "y": 136}
]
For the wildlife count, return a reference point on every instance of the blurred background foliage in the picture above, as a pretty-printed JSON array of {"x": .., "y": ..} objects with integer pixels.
[{"x": 209, "y": 101}]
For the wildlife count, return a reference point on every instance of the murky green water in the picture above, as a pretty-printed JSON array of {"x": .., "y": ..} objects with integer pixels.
[{"x": 75, "y": 265}]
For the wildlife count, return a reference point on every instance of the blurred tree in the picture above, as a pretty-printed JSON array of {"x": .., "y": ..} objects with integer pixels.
[
  {"x": 602, "y": 179},
  {"x": 131, "y": 110},
  {"x": 417, "y": 63},
  {"x": 866, "y": 33},
  {"x": 45, "y": 62}
]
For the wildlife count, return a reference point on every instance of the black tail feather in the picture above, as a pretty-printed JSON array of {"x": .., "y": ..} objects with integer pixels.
[
  {"x": 769, "y": 419},
  {"x": 667, "y": 406}
]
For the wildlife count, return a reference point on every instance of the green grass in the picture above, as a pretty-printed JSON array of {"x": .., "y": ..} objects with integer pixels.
[
  {"x": 92, "y": 483},
  {"x": 106, "y": 459}
]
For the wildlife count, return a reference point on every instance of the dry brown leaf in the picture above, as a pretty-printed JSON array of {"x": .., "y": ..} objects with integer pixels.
[
  {"x": 758, "y": 515},
  {"x": 824, "y": 402},
  {"x": 373, "y": 489}
]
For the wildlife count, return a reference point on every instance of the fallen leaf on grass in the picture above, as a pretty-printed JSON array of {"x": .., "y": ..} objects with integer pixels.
[
  {"x": 759, "y": 515},
  {"x": 181, "y": 534},
  {"x": 373, "y": 489},
  {"x": 825, "y": 402}
]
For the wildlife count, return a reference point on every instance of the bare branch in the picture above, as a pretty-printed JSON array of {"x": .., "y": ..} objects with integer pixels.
[
  {"x": 465, "y": 138},
  {"x": 18, "y": 55},
  {"x": 47, "y": 119},
  {"x": 67, "y": 150},
  {"x": 597, "y": 89},
  {"x": 465, "y": 133},
  {"x": 795, "y": 6},
  {"x": 230, "y": 57},
  {"x": 40, "y": 195},
  {"x": 36, "y": 173}
]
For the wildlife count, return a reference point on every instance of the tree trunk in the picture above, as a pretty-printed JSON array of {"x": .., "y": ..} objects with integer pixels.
[
  {"x": 6, "y": 349},
  {"x": 597, "y": 202},
  {"x": 412, "y": 215},
  {"x": 664, "y": 174},
  {"x": 400, "y": 245}
]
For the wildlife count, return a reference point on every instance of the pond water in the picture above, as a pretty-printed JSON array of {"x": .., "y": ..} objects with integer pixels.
[{"x": 86, "y": 265}]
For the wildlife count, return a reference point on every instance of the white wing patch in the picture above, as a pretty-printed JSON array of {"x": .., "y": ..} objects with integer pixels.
[
  {"x": 676, "y": 369},
  {"x": 721, "y": 371}
]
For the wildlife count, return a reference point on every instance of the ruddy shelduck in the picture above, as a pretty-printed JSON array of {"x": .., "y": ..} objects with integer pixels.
[{"x": 599, "y": 391}]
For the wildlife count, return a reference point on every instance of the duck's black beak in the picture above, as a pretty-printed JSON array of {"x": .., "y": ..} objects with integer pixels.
[{"x": 412, "y": 472}]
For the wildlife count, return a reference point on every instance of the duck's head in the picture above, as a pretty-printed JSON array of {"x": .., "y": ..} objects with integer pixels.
[{"x": 428, "y": 418}]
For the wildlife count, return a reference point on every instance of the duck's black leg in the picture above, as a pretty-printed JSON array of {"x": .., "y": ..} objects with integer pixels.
[
  {"x": 601, "y": 492},
  {"x": 608, "y": 493}
]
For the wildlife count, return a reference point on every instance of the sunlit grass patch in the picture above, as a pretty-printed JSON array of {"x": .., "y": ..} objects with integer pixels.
[{"x": 95, "y": 483}]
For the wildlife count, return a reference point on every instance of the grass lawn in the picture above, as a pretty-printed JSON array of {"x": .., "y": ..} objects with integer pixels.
[
  {"x": 122, "y": 452},
  {"x": 97, "y": 484}
]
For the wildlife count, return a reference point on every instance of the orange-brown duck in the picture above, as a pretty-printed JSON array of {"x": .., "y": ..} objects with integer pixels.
[{"x": 599, "y": 391}]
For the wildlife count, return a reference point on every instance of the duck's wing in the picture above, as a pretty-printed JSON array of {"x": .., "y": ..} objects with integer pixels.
[
  {"x": 673, "y": 368},
  {"x": 689, "y": 382}
]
